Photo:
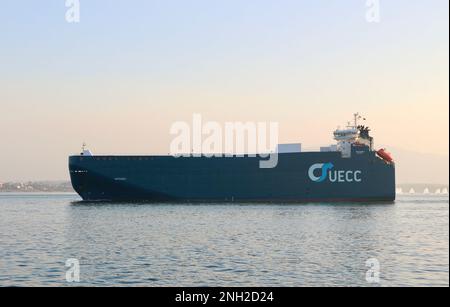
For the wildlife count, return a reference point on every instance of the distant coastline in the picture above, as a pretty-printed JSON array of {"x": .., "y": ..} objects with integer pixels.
[
  {"x": 66, "y": 187},
  {"x": 36, "y": 187}
]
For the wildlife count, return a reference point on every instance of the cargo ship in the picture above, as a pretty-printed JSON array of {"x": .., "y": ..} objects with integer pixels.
[{"x": 349, "y": 171}]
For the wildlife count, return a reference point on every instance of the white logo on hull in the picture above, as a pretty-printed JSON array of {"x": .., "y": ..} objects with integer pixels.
[{"x": 327, "y": 172}]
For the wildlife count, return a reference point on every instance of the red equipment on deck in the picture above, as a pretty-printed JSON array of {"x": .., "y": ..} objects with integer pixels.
[{"x": 386, "y": 156}]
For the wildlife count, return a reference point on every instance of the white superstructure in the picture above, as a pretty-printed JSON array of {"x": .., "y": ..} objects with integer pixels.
[{"x": 352, "y": 134}]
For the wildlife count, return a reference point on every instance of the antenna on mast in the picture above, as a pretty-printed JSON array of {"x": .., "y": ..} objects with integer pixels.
[
  {"x": 83, "y": 148},
  {"x": 356, "y": 117},
  {"x": 85, "y": 151}
]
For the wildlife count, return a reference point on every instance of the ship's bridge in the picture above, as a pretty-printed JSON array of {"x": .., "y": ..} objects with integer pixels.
[
  {"x": 350, "y": 134},
  {"x": 353, "y": 134}
]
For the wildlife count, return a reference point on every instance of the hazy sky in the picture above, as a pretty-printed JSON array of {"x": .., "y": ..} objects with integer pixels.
[{"x": 129, "y": 69}]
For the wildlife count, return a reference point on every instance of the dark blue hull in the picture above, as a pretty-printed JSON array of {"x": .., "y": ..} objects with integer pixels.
[{"x": 364, "y": 177}]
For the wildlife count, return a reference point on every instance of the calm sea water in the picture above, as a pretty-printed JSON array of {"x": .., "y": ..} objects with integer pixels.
[{"x": 223, "y": 245}]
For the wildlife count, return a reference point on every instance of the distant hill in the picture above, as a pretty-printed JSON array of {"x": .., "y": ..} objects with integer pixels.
[{"x": 414, "y": 167}]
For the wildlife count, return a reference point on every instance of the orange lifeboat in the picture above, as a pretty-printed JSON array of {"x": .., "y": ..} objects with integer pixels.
[{"x": 386, "y": 156}]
